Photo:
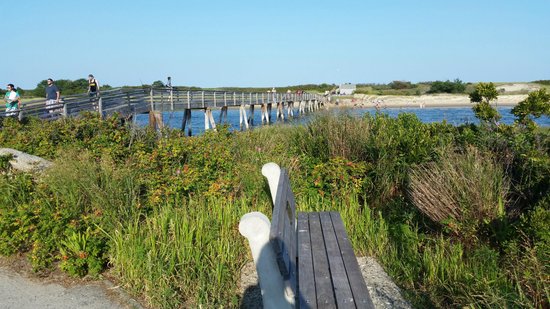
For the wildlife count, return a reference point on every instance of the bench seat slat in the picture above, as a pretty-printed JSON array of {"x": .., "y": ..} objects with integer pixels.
[
  {"x": 306, "y": 288},
  {"x": 342, "y": 290},
  {"x": 323, "y": 283},
  {"x": 357, "y": 283}
]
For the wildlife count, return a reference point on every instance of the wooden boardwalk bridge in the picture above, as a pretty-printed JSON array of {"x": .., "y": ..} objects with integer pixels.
[{"x": 128, "y": 102}]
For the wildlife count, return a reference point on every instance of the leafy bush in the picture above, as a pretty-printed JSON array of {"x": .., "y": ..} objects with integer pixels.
[
  {"x": 535, "y": 105},
  {"x": 483, "y": 95},
  {"x": 456, "y": 86},
  {"x": 397, "y": 84}
]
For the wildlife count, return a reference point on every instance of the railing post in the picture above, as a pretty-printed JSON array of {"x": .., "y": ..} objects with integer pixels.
[
  {"x": 20, "y": 114},
  {"x": 171, "y": 98},
  {"x": 151, "y": 98},
  {"x": 202, "y": 98},
  {"x": 234, "y": 99},
  {"x": 100, "y": 107},
  {"x": 188, "y": 99},
  {"x": 65, "y": 110}
]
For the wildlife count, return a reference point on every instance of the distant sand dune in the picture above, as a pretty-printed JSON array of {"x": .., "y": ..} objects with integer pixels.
[{"x": 435, "y": 100}]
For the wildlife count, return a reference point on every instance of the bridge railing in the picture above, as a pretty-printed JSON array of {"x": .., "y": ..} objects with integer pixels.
[{"x": 131, "y": 101}]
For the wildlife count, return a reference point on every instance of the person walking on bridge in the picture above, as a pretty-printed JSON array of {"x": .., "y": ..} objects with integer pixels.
[
  {"x": 12, "y": 99},
  {"x": 53, "y": 95},
  {"x": 93, "y": 86},
  {"x": 93, "y": 90}
]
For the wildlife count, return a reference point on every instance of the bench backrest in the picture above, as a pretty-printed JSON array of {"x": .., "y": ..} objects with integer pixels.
[{"x": 282, "y": 236}]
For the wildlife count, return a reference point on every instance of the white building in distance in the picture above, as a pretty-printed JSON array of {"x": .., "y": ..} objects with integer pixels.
[{"x": 347, "y": 89}]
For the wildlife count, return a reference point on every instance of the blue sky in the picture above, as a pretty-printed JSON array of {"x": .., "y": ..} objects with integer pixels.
[{"x": 275, "y": 43}]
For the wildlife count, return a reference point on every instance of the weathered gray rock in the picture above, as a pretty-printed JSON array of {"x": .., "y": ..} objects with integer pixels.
[
  {"x": 25, "y": 162},
  {"x": 383, "y": 291}
]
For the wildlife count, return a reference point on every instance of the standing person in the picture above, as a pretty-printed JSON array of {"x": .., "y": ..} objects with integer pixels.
[
  {"x": 53, "y": 95},
  {"x": 93, "y": 86},
  {"x": 12, "y": 99}
]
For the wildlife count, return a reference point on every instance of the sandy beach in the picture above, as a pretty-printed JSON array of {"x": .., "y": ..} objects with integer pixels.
[
  {"x": 435, "y": 100},
  {"x": 423, "y": 101}
]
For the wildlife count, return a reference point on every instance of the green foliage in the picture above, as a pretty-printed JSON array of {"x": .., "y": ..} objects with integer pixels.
[
  {"x": 66, "y": 87},
  {"x": 397, "y": 84},
  {"x": 83, "y": 253},
  {"x": 483, "y": 95},
  {"x": 543, "y": 82},
  {"x": 535, "y": 105},
  {"x": 158, "y": 84},
  {"x": 162, "y": 210},
  {"x": 339, "y": 177},
  {"x": 5, "y": 164},
  {"x": 456, "y": 86},
  {"x": 484, "y": 92}
]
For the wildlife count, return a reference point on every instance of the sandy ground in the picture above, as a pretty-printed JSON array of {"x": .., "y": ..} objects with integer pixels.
[
  {"x": 22, "y": 289},
  {"x": 435, "y": 100}
]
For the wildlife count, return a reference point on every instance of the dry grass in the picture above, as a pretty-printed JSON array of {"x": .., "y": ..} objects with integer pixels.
[{"x": 461, "y": 190}]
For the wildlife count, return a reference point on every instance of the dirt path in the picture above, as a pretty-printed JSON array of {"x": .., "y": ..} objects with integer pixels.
[{"x": 22, "y": 292}]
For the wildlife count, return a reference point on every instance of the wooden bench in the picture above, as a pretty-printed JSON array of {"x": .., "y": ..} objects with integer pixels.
[{"x": 314, "y": 255}]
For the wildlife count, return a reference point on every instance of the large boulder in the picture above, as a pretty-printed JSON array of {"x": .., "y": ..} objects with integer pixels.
[{"x": 25, "y": 162}]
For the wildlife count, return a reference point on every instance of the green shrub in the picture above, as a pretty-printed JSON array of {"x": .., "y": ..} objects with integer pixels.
[{"x": 456, "y": 86}]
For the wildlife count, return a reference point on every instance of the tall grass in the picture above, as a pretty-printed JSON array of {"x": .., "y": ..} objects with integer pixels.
[{"x": 183, "y": 254}]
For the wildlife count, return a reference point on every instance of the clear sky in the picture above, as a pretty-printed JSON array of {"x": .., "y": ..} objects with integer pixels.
[{"x": 274, "y": 43}]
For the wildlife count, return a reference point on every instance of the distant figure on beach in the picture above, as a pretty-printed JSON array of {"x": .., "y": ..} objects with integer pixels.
[
  {"x": 12, "y": 99},
  {"x": 93, "y": 86},
  {"x": 53, "y": 95}
]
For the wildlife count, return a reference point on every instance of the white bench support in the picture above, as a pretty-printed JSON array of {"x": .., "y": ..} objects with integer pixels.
[{"x": 255, "y": 227}]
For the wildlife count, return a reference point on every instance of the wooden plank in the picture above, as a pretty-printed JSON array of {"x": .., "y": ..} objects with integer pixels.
[
  {"x": 291, "y": 241},
  {"x": 323, "y": 283},
  {"x": 342, "y": 289},
  {"x": 282, "y": 233},
  {"x": 357, "y": 283},
  {"x": 277, "y": 232},
  {"x": 306, "y": 297}
]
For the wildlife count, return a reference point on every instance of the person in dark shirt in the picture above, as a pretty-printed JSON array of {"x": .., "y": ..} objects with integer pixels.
[
  {"x": 93, "y": 86},
  {"x": 53, "y": 95}
]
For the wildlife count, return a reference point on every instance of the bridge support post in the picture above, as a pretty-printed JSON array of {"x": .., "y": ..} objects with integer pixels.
[
  {"x": 155, "y": 120},
  {"x": 280, "y": 114},
  {"x": 209, "y": 119},
  {"x": 223, "y": 114},
  {"x": 242, "y": 117},
  {"x": 251, "y": 117},
  {"x": 186, "y": 121},
  {"x": 265, "y": 114}
]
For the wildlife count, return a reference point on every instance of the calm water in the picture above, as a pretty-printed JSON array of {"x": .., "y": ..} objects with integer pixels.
[{"x": 453, "y": 115}]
